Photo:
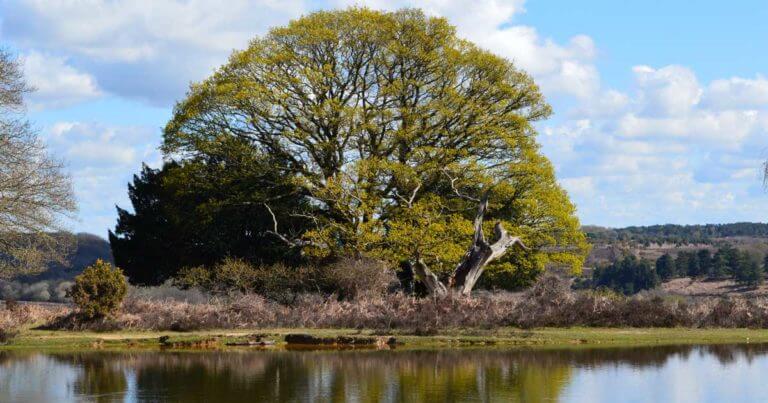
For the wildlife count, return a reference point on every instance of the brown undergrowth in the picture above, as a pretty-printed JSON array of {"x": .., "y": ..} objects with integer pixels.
[
  {"x": 15, "y": 316},
  {"x": 549, "y": 303}
]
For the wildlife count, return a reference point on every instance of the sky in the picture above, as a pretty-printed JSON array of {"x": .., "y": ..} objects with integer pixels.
[{"x": 661, "y": 108}]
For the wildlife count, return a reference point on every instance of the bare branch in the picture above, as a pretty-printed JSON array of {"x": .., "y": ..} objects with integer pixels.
[
  {"x": 409, "y": 201},
  {"x": 455, "y": 189},
  {"x": 294, "y": 243}
]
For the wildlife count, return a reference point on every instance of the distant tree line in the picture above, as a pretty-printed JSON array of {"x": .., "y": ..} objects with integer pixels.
[
  {"x": 630, "y": 274},
  {"x": 676, "y": 234}
]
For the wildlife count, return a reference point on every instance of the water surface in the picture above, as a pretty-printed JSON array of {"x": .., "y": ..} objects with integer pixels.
[{"x": 725, "y": 373}]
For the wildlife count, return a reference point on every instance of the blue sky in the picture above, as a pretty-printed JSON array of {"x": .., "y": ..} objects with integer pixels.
[{"x": 661, "y": 108}]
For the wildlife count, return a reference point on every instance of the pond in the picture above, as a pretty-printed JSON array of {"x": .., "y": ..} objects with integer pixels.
[{"x": 720, "y": 373}]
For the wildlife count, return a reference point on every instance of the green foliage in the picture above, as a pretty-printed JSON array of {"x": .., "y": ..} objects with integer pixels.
[
  {"x": 380, "y": 122},
  {"x": 629, "y": 275},
  {"x": 198, "y": 211},
  {"x": 226, "y": 276},
  {"x": 665, "y": 267},
  {"x": 719, "y": 268},
  {"x": 726, "y": 261},
  {"x": 694, "y": 263},
  {"x": 99, "y": 290},
  {"x": 749, "y": 271},
  {"x": 704, "y": 257}
]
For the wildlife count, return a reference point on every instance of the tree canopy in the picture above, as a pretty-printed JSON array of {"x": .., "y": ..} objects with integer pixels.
[{"x": 392, "y": 130}]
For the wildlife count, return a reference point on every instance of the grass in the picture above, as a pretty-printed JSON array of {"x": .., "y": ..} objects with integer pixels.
[{"x": 502, "y": 337}]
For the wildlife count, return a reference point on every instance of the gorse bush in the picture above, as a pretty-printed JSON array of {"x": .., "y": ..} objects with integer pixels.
[{"x": 99, "y": 290}]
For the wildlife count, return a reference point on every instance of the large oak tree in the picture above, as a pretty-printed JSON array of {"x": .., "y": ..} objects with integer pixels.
[{"x": 408, "y": 143}]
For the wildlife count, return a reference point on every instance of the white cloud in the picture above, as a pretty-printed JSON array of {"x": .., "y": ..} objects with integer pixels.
[
  {"x": 56, "y": 83},
  {"x": 143, "y": 48},
  {"x": 560, "y": 69},
  {"x": 727, "y": 129},
  {"x": 737, "y": 93},
  {"x": 472, "y": 20},
  {"x": 101, "y": 160},
  {"x": 152, "y": 50},
  {"x": 668, "y": 91},
  {"x": 92, "y": 145},
  {"x": 668, "y": 153}
]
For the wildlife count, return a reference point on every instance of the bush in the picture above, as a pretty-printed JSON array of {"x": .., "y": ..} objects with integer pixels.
[
  {"x": 227, "y": 276},
  {"x": 347, "y": 277},
  {"x": 16, "y": 317},
  {"x": 99, "y": 290},
  {"x": 351, "y": 278}
]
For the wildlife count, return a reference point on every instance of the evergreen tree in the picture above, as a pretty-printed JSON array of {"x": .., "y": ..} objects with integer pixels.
[
  {"x": 693, "y": 265},
  {"x": 681, "y": 263},
  {"x": 765, "y": 262},
  {"x": 200, "y": 211},
  {"x": 665, "y": 267},
  {"x": 629, "y": 275},
  {"x": 704, "y": 257},
  {"x": 718, "y": 268},
  {"x": 749, "y": 271},
  {"x": 732, "y": 259}
]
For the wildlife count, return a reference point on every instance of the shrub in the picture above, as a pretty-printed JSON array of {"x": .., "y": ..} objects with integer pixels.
[
  {"x": 16, "y": 317},
  {"x": 227, "y": 276},
  {"x": 7, "y": 335},
  {"x": 11, "y": 304},
  {"x": 351, "y": 277},
  {"x": 99, "y": 290},
  {"x": 346, "y": 277},
  {"x": 194, "y": 277}
]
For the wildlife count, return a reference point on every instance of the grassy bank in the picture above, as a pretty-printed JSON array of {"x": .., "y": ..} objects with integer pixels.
[{"x": 502, "y": 337}]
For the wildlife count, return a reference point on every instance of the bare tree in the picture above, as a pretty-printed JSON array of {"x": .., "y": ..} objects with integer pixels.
[{"x": 35, "y": 193}]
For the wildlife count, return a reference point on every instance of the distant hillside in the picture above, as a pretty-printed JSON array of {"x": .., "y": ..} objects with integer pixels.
[
  {"x": 89, "y": 248},
  {"x": 676, "y": 234},
  {"x": 650, "y": 242},
  {"x": 51, "y": 284}
]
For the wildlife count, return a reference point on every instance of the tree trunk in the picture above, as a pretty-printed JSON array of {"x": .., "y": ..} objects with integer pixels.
[
  {"x": 478, "y": 256},
  {"x": 430, "y": 280}
]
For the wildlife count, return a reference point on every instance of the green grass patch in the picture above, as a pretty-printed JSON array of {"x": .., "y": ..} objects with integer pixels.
[{"x": 503, "y": 337}]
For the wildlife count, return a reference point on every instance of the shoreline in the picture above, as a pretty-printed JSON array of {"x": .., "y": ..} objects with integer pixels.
[{"x": 217, "y": 340}]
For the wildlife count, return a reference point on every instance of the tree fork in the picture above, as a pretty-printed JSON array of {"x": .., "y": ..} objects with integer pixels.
[{"x": 478, "y": 256}]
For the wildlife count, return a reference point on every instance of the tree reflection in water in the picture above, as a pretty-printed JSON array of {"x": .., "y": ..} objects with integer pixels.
[{"x": 362, "y": 376}]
